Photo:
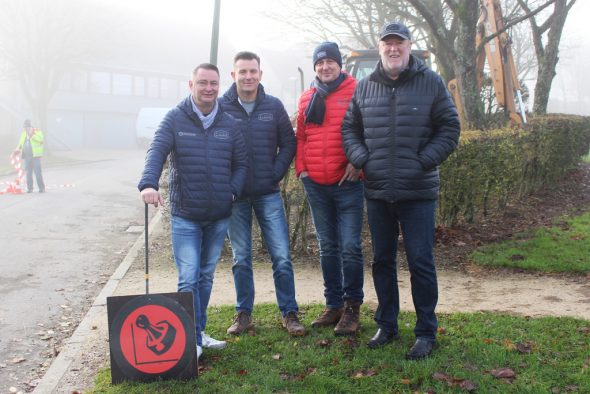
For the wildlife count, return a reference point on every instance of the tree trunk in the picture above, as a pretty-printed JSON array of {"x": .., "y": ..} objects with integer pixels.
[
  {"x": 467, "y": 13},
  {"x": 548, "y": 62}
]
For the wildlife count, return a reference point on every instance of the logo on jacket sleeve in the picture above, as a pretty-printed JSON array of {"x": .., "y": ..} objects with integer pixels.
[
  {"x": 265, "y": 117},
  {"x": 221, "y": 134}
]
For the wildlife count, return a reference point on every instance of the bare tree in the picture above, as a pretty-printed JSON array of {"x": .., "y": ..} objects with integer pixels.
[
  {"x": 40, "y": 40},
  {"x": 546, "y": 38},
  {"x": 448, "y": 29}
]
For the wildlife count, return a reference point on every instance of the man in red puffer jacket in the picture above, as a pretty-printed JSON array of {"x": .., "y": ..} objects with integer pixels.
[{"x": 333, "y": 189}]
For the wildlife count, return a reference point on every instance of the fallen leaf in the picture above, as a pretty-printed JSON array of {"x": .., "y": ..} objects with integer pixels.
[
  {"x": 441, "y": 330},
  {"x": 285, "y": 376},
  {"x": 503, "y": 373},
  {"x": 311, "y": 370},
  {"x": 524, "y": 347},
  {"x": 322, "y": 342},
  {"x": 17, "y": 360},
  {"x": 276, "y": 357},
  {"x": 508, "y": 344},
  {"x": 468, "y": 385},
  {"x": 242, "y": 372},
  {"x": 405, "y": 382},
  {"x": 488, "y": 341},
  {"x": 443, "y": 377},
  {"x": 2, "y": 365}
]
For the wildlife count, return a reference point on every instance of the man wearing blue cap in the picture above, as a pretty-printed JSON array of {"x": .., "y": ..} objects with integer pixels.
[{"x": 400, "y": 125}]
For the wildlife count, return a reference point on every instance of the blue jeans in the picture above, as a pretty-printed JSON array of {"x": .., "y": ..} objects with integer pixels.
[
  {"x": 337, "y": 213},
  {"x": 270, "y": 214},
  {"x": 33, "y": 164},
  {"x": 197, "y": 247},
  {"x": 416, "y": 219}
]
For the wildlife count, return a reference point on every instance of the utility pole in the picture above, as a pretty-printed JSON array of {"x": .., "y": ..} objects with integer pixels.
[{"x": 215, "y": 33}]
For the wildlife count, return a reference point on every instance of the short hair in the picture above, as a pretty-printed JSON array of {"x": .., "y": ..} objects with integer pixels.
[
  {"x": 246, "y": 55},
  {"x": 206, "y": 66}
]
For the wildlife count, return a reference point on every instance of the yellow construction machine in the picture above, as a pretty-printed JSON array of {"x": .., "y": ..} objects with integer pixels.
[{"x": 500, "y": 64}]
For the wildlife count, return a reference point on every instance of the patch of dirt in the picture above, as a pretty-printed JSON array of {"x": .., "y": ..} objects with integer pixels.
[{"x": 570, "y": 196}]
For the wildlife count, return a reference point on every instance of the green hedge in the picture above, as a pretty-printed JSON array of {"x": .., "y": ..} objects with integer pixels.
[{"x": 492, "y": 167}]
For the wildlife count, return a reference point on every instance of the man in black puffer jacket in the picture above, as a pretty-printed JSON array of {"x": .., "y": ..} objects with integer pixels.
[
  {"x": 400, "y": 125},
  {"x": 208, "y": 165}
]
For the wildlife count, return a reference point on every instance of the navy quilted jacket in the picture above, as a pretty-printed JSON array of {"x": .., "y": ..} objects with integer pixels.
[
  {"x": 207, "y": 167},
  {"x": 399, "y": 131},
  {"x": 270, "y": 140}
]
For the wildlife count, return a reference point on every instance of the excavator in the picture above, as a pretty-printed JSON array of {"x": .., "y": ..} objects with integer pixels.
[
  {"x": 500, "y": 63},
  {"x": 360, "y": 63}
]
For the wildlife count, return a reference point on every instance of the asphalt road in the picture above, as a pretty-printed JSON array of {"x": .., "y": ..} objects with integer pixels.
[{"x": 57, "y": 249}]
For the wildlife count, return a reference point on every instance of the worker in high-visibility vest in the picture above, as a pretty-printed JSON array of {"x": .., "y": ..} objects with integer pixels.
[{"x": 30, "y": 147}]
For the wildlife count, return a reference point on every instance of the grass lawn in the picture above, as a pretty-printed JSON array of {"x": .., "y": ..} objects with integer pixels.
[
  {"x": 564, "y": 247},
  {"x": 483, "y": 352}
]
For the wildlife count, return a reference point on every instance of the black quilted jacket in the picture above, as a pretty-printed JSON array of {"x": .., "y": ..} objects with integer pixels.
[{"x": 399, "y": 131}]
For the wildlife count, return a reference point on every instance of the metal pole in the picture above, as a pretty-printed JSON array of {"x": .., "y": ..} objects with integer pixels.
[
  {"x": 301, "y": 76},
  {"x": 215, "y": 33},
  {"x": 147, "y": 270}
]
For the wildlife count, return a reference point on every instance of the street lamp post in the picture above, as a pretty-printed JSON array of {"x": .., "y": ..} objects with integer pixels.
[{"x": 215, "y": 33}]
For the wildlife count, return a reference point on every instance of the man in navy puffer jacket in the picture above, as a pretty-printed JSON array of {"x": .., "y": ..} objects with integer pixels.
[
  {"x": 400, "y": 125},
  {"x": 271, "y": 146},
  {"x": 208, "y": 165}
]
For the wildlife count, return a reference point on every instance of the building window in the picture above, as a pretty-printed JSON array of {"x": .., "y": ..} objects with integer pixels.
[
  {"x": 153, "y": 87},
  {"x": 182, "y": 89},
  {"x": 169, "y": 88},
  {"x": 122, "y": 84},
  {"x": 80, "y": 81},
  {"x": 139, "y": 86},
  {"x": 100, "y": 82}
]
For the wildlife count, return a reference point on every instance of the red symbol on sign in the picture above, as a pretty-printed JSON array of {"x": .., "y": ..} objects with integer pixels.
[{"x": 152, "y": 348}]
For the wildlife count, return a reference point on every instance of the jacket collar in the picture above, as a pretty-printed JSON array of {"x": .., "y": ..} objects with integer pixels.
[
  {"x": 415, "y": 66},
  {"x": 232, "y": 93},
  {"x": 186, "y": 106}
]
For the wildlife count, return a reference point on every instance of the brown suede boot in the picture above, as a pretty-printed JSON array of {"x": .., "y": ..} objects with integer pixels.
[
  {"x": 349, "y": 322},
  {"x": 329, "y": 317},
  {"x": 292, "y": 324}
]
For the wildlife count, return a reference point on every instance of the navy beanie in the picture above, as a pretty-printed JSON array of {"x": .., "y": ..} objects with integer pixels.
[{"x": 327, "y": 50}]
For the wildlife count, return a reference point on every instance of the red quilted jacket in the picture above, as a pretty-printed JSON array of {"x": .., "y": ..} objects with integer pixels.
[{"x": 319, "y": 147}]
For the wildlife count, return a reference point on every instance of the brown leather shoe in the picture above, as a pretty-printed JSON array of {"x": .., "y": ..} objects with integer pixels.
[
  {"x": 349, "y": 322},
  {"x": 242, "y": 323},
  {"x": 329, "y": 317},
  {"x": 291, "y": 323}
]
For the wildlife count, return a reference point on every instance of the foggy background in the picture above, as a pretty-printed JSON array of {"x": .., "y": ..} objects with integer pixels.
[{"x": 116, "y": 57}]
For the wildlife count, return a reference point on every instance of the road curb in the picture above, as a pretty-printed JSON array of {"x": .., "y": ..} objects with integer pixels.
[{"x": 72, "y": 346}]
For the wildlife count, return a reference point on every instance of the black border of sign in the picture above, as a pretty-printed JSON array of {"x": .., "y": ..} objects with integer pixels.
[{"x": 120, "y": 307}]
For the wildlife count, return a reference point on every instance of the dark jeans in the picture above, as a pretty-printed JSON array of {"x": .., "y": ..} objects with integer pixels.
[
  {"x": 33, "y": 164},
  {"x": 416, "y": 219},
  {"x": 337, "y": 213}
]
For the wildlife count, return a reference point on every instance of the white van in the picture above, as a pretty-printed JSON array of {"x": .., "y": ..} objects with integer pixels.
[{"x": 147, "y": 123}]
